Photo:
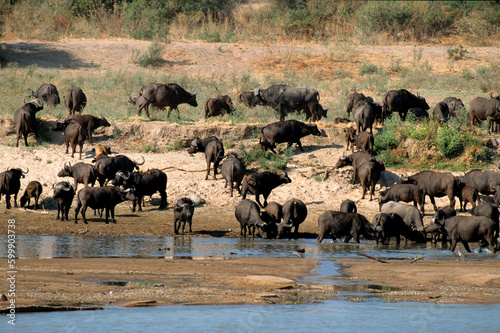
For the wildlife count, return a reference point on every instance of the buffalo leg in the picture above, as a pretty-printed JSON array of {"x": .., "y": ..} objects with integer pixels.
[
  {"x": 183, "y": 226},
  {"x": 59, "y": 209},
  {"x": 433, "y": 202},
  {"x": 208, "y": 169},
  {"x": 15, "y": 200},
  {"x": 258, "y": 200},
  {"x": 107, "y": 215},
  {"x": 466, "y": 245},
  {"x": 139, "y": 203},
  {"x": 113, "y": 215},
  {"x": 66, "y": 212},
  {"x": 176, "y": 229},
  {"x": 163, "y": 202},
  {"x": 300, "y": 145},
  {"x": 190, "y": 224},
  {"x": 26, "y": 140},
  {"x": 81, "y": 148},
  {"x": 347, "y": 239}
]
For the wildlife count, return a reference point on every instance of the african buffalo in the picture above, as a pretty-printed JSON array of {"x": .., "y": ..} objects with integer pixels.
[
  {"x": 348, "y": 206},
  {"x": 466, "y": 194},
  {"x": 435, "y": 184},
  {"x": 365, "y": 142},
  {"x": 249, "y": 99},
  {"x": 263, "y": 183},
  {"x": 405, "y": 193},
  {"x": 108, "y": 166},
  {"x": 290, "y": 131},
  {"x": 183, "y": 212},
  {"x": 466, "y": 229},
  {"x": 285, "y": 99},
  {"x": 484, "y": 181},
  {"x": 144, "y": 184},
  {"x": 248, "y": 214},
  {"x": 485, "y": 109},
  {"x": 25, "y": 119},
  {"x": 33, "y": 190},
  {"x": 387, "y": 225},
  {"x": 101, "y": 197},
  {"x": 339, "y": 224},
  {"x": 81, "y": 172},
  {"x": 419, "y": 113},
  {"x": 218, "y": 105},
  {"x": 355, "y": 160},
  {"x": 408, "y": 213},
  {"x": 275, "y": 210},
  {"x": 74, "y": 134},
  {"x": 47, "y": 93},
  {"x": 441, "y": 112},
  {"x": 63, "y": 194},
  {"x": 294, "y": 213},
  {"x": 455, "y": 105},
  {"x": 353, "y": 99},
  {"x": 163, "y": 95},
  {"x": 75, "y": 100},
  {"x": 350, "y": 138},
  {"x": 10, "y": 183},
  {"x": 233, "y": 170},
  {"x": 365, "y": 115},
  {"x": 213, "y": 149},
  {"x": 369, "y": 173},
  {"x": 400, "y": 101},
  {"x": 89, "y": 122},
  {"x": 484, "y": 208}
]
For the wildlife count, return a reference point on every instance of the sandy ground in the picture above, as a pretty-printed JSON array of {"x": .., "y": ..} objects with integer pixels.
[{"x": 313, "y": 180}]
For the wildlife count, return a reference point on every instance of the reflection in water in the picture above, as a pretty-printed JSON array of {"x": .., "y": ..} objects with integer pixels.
[
  {"x": 35, "y": 246},
  {"x": 336, "y": 316}
]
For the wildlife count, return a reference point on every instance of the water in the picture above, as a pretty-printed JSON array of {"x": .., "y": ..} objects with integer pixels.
[
  {"x": 329, "y": 316},
  {"x": 35, "y": 246},
  {"x": 339, "y": 315}
]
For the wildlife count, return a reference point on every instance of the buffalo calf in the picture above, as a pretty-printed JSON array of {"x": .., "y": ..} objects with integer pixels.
[{"x": 33, "y": 190}]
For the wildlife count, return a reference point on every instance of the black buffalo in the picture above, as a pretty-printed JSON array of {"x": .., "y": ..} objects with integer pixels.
[
  {"x": 355, "y": 160},
  {"x": 33, "y": 190},
  {"x": 353, "y": 99},
  {"x": 144, "y": 184},
  {"x": 233, "y": 170},
  {"x": 74, "y": 134},
  {"x": 63, "y": 194},
  {"x": 249, "y": 99},
  {"x": 339, "y": 224},
  {"x": 10, "y": 183},
  {"x": 365, "y": 115},
  {"x": 466, "y": 229},
  {"x": 75, "y": 100},
  {"x": 249, "y": 216},
  {"x": 400, "y": 101},
  {"x": 106, "y": 197},
  {"x": 485, "y": 109},
  {"x": 390, "y": 225},
  {"x": 213, "y": 149},
  {"x": 290, "y": 131},
  {"x": 263, "y": 183},
  {"x": 47, "y": 93},
  {"x": 81, "y": 172},
  {"x": 467, "y": 194},
  {"x": 163, "y": 95},
  {"x": 348, "y": 206},
  {"x": 408, "y": 213},
  {"x": 89, "y": 122},
  {"x": 365, "y": 142},
  {"x": 441, "y": 112},
  {"x": 285, "y": 99},
  {"x": 484, "y": 181},
  {"x": 405, "y": 193},
  {"x": 183, "y": 213},
  {"x": 455, "y": 105},
  {"x": 25, "y": 119},
  {"x": 216, "y": 106},
  {"x": 435, "y": 184},
  {"x": 369, "y": 173},
  {"x": 108, "y": 166},
  {"x": 294, "y": 213},
  {"x": 350, "y": 138}
]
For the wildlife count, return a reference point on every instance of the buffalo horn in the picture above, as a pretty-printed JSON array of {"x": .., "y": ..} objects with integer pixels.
[
  {"x": 289, "y": 225},
  {"x": 25, "y": 172},
  {"x": 128, "y": 175},
  {"x": 119, "y": 174},
  {"x": 491, "y": 95},
  {"x": 257, "y": 224},
  {"x": 143, "y": 160},
  {"x": 65, "y": 187},
  {"x": 130, "y": 189}
]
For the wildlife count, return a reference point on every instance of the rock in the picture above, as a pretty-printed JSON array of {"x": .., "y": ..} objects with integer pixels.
[
  {"x": 136, "y": 304},
  {"x": 274, "y": 282}
]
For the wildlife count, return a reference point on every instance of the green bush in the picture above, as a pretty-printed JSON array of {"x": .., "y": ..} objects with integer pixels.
[
  {"x": 151, "y": 56},
  {"x": 449, "y": 141},
  {"x": 367, "y": 68}
]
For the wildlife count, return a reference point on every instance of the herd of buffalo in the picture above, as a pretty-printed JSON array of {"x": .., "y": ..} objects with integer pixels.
[{"x": 274, "y": 221}]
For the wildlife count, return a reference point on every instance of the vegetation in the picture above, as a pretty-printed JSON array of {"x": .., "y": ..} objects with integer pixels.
[
  {"x": 239, "y": 20},
  {"x": 428, "y": 144}
]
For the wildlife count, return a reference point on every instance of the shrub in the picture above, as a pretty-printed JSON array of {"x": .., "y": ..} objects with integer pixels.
[
  {"x": 449, "y": 141},
  {"x": 151, "y": 56},
  {"x": 367, "y": 68},
  {"x": 456, "y": 53}
]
